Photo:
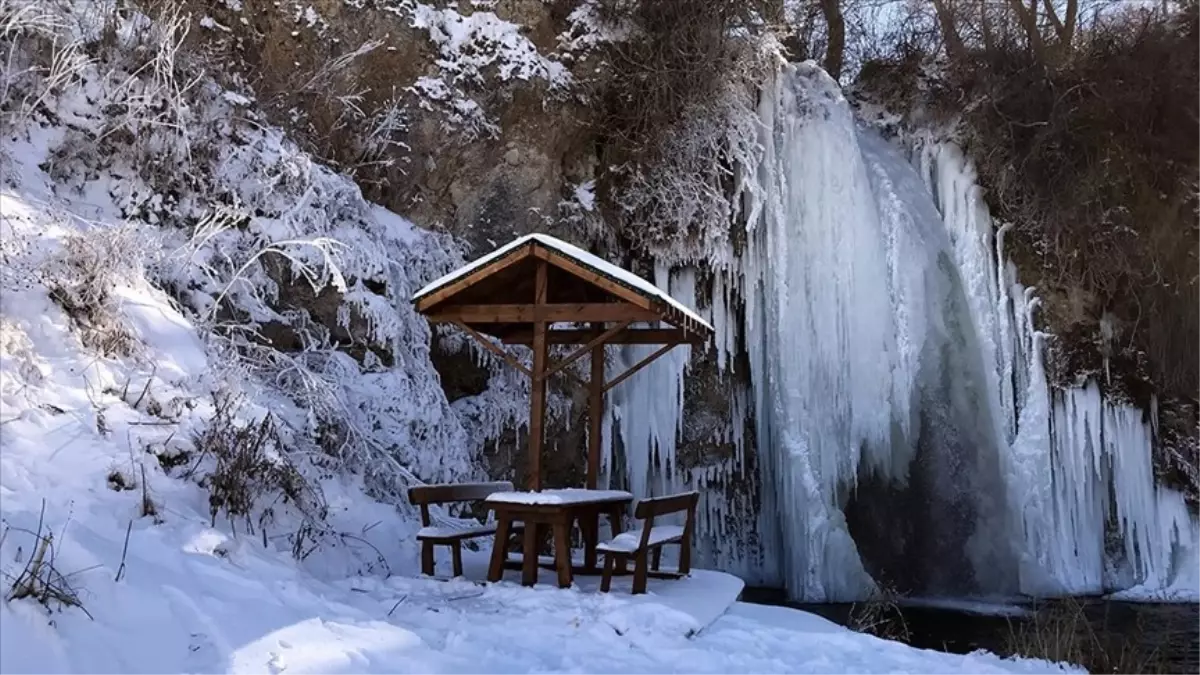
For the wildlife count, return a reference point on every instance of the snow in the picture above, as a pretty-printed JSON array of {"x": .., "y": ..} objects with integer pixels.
[
  {"x": 469, "y": 44},
  {"x": 627, "y": 542},
  {"x": 559, "y": 496},
  {"x": 194, "y": 597},
  {"x": 577, "y": 255}
]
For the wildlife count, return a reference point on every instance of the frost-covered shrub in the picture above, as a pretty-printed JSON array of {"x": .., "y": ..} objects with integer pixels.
[
  {"x": 82, "y": 277},
  {"x": 40, "y": 59},
  {"x": 251, "y": 474}
]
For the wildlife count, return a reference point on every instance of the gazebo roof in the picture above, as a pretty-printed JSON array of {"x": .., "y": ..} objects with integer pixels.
[{"x": 503, "y": 279}]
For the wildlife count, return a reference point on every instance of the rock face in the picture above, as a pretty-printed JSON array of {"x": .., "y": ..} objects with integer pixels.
[{"x": 486, "y": 137}]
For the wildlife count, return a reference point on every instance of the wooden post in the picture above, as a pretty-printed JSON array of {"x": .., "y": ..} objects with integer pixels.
[
  {"x": 537, "y": 396},
  {"x": 595, "y": 414}
]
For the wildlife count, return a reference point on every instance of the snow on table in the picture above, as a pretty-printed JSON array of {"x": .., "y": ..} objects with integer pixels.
[
  {"x": 561, "y": 496},
  {"x": 578, "y": 255}
]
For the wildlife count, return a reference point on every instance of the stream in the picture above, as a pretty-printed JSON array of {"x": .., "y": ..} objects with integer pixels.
[{"x": 1107, "y": 635}]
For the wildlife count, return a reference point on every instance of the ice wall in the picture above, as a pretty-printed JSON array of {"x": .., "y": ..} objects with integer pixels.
[{"x": 895, "y": 377}]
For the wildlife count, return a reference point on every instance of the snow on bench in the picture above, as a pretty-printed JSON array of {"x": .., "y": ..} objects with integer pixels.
[
  {"x": 431, "y": 535},
  {"x": 628, "y": 542},
  {"x": 465, "y": 532},
  {"x": 649, "y": 540}
]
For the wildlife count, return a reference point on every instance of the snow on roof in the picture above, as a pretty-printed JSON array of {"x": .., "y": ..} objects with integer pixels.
[{"x": 578, "y": 255}]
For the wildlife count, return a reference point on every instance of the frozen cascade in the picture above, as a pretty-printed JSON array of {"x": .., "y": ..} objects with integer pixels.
[
  {"x": 1077, "y": 466},
  {"x": 903, "y": 419}
]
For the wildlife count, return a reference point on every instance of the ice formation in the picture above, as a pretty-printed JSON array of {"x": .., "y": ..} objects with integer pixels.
[{"x": 892, "y": 352}]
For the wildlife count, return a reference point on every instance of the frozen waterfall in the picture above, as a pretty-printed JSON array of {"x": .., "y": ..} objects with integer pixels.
[
  {"x": 903, "y": 425},
  {"x": 870, "y": 392}
]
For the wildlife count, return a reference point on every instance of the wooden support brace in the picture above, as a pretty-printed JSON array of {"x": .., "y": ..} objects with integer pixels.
[
  {"x": 537, "y": 398},
  {"x": 638, "y": 366},
  {"x": 629, "y": 336},
  {"x": 493, "y": 348},
  {"x": 599, "y": 340},
  {"x": 545, "y": 313},
  {"x": 595, "y": 418}
]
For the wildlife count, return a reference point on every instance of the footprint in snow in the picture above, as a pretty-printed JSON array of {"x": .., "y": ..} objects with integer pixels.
[
  {"x": 201, "y": 651},
  {"x": 275, "y": 664}
]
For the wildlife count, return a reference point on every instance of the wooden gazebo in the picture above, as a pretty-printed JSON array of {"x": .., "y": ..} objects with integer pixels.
[{"x": 523, "y": 292}]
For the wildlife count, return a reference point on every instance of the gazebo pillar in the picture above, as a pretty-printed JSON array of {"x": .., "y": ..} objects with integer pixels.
[
  {"x": 595, "y": 412},
  {"x": 537, "y": 397}
]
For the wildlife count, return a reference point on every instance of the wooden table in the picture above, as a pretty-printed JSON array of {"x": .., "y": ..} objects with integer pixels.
[{"x": 558, "y": 510}]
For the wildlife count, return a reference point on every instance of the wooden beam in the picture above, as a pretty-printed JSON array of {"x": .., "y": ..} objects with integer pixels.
[
  {"x": 597, "y": 341},
  {"x": 537, "y": 397},
  {"x": 629, "y": 336},
  {"x": 493, "y": 348},
  {"x": 441, "y": 294},
  {"x": 608, "y": 284},
  {"x": 601, "y": 311},
  {"x": 638, "y": 366},
  {"x": 595, "y": 415}
]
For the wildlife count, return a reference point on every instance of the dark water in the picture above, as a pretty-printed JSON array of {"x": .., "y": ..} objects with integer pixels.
[{"x": 1112, "y": 636}]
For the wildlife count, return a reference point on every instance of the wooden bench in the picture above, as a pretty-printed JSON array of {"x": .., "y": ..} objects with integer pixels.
[
  {"x": 649, "y": 540},
  {"x": 431, "y": 535}
]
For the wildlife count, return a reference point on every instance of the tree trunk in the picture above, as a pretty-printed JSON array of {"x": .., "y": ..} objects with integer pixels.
[
  {"x": 954, "y": 44},
  {"x": 1027, "y": 17},
  {"x": 835, "y": 50}
]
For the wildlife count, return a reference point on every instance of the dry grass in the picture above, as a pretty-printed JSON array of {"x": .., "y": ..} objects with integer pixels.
[
  {"x": 1062, "y": 632},
  {"x": 881, "y": 615},
  {"x": 252, "y": 474},
  {"x": 81, "y": 280},
  {"x": 40, "y": 579}
]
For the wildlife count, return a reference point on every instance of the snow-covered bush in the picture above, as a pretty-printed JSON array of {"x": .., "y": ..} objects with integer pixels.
[
  {"x": 40, "y": 59},
  {"x": 250, "y": 468}
]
